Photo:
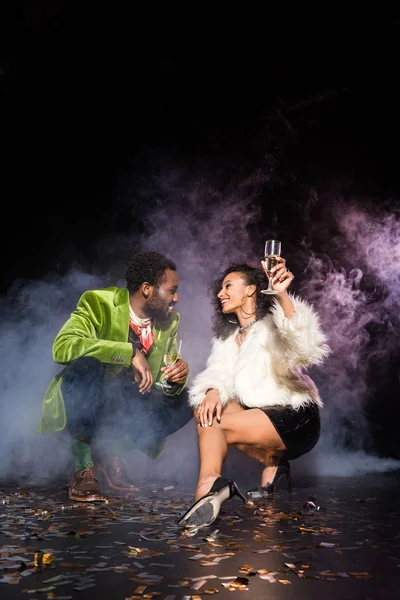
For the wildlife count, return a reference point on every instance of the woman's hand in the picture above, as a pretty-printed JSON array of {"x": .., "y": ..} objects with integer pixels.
[
  {"x": 210, "y": 407},
  {"x": 177, "y": 373},
  {"x": 282, "y": 278}
]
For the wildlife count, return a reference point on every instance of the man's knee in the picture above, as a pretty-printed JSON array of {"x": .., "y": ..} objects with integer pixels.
[{"x": 83, "y": 367}]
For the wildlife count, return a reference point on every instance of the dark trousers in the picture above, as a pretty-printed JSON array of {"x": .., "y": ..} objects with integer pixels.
[{"x": 110, "y": 409}]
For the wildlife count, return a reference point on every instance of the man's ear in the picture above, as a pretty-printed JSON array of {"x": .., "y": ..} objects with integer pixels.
[{"x": 147, "y": 290}]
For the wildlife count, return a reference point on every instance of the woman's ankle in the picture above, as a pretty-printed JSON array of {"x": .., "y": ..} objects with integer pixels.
[
  {"x": 204, "y": 485},
  {"x": 268, "y": 475}
]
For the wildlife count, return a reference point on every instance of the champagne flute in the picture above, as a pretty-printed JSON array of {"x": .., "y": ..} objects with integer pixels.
[
  {"x": 272, "y": 250},
  {"x": 172, "y": 353}
]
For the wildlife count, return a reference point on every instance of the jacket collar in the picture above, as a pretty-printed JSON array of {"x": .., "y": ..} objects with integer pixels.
[{"x": 121, "y": 296}]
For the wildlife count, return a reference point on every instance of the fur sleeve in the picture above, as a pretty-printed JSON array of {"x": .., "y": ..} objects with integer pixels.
[
  {"x": 302, "y": 341},
  {"x": 218, "y": 374}
]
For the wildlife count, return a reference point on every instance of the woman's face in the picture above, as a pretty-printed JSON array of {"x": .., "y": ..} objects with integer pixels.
[{"x": 233, "y": 289}]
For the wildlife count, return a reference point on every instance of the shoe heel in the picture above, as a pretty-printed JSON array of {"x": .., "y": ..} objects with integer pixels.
[
  {"x": 288, "y": 482},
  {"x": 269, "y": 489},
  {"x": 236, "y": 492}
]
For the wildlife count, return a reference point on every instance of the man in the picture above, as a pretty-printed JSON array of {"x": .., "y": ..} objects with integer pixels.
[{"x": 113, "y": 348}]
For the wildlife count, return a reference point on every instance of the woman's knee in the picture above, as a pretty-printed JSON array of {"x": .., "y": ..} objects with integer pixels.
[{"x": 232, "y": 408}]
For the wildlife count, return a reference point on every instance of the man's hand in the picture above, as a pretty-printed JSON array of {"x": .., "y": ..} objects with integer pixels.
[
  {"x": 210, "y": 407},
  {"x": 177, "y": 373},
  {"x": 142, "y": 372}
]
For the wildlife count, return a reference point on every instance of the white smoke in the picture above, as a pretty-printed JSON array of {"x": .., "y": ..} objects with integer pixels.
[{"x": 351, "y": 276}]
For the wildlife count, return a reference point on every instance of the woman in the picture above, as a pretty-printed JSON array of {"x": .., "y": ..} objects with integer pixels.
[{"x": 253, "y": 394}]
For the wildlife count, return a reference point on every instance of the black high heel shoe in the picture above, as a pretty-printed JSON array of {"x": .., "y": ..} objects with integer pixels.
[
  {"x": 268, "y": 490},
  {"x": 204, "y": 512}
]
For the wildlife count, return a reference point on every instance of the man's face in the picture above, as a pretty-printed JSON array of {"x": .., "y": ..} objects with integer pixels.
[{"x": 164, "y": 297}]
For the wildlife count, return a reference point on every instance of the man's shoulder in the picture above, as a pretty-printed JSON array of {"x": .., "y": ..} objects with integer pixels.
[{"x": 111, "y": 295}]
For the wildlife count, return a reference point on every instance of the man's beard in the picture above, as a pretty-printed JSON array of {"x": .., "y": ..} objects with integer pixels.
[{"x": 156, "y": 311}]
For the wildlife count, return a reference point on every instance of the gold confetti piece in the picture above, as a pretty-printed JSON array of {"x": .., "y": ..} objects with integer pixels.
[
  {"x": 211, "y": 591},
  {"x": 284, "y": 581},
  {"x": 142, "y": 552},
  {"x": 215, "y": 545},
  {"x": 14, "y": 580},
  {"x": 40, "y": 560},
  {"x": 263, "y": 571},
  {"x": 47, "y": 559},
  {"x": 238, "y": 583},
  {"x": 140, "y": 589},
  {"x": 143, "y": 580},
  {"x": 269, "y": 577}
]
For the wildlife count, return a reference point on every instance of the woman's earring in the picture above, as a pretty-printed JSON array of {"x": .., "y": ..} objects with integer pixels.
[{"x": 242, "y": 309}]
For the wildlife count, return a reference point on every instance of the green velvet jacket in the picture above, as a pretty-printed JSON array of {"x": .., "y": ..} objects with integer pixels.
[{"x": 99, "y": 327}]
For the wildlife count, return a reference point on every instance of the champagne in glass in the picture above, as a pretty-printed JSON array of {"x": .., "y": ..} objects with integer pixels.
[
  {"x": 170, "y": 358},
  {"x": 172, "y": 353},
  {"x": 271, "y": 252}
]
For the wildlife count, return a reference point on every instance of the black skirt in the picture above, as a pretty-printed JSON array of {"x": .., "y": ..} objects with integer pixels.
[{"x": 298, "y": 428}]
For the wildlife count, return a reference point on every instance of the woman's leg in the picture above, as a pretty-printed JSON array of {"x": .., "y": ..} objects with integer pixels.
[
  {"x": 212, "y": 449},
  {"x": 269, "y": 459},
  {"x": 239, "y": 428}
]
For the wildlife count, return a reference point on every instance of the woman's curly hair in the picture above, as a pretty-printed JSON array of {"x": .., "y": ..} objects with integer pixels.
[
  {"x": 222, "y": 327},
  {"x": 146, "y": 266}
]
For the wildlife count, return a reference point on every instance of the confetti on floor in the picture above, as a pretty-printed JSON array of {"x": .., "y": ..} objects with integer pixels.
[{"x": 346, "y": 536}]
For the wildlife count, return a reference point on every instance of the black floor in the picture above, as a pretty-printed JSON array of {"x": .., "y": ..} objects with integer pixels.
[{"x": 335, "y": 538}]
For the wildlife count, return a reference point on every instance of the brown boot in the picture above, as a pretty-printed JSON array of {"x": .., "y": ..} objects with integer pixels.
[
  {"x": 113, "y": 469},
  {"x": 83, "y": 486}
]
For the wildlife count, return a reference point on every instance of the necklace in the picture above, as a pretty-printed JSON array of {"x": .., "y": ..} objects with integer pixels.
[{"x": 240, "y": 336}]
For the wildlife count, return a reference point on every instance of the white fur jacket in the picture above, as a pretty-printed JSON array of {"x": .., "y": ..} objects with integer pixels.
[{"x": 267, "y": 369}]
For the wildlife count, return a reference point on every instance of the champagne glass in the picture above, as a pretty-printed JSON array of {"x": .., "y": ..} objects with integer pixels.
[
  {"x": 272, "y": 250},
  {"x": 172, "y": 353}
]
